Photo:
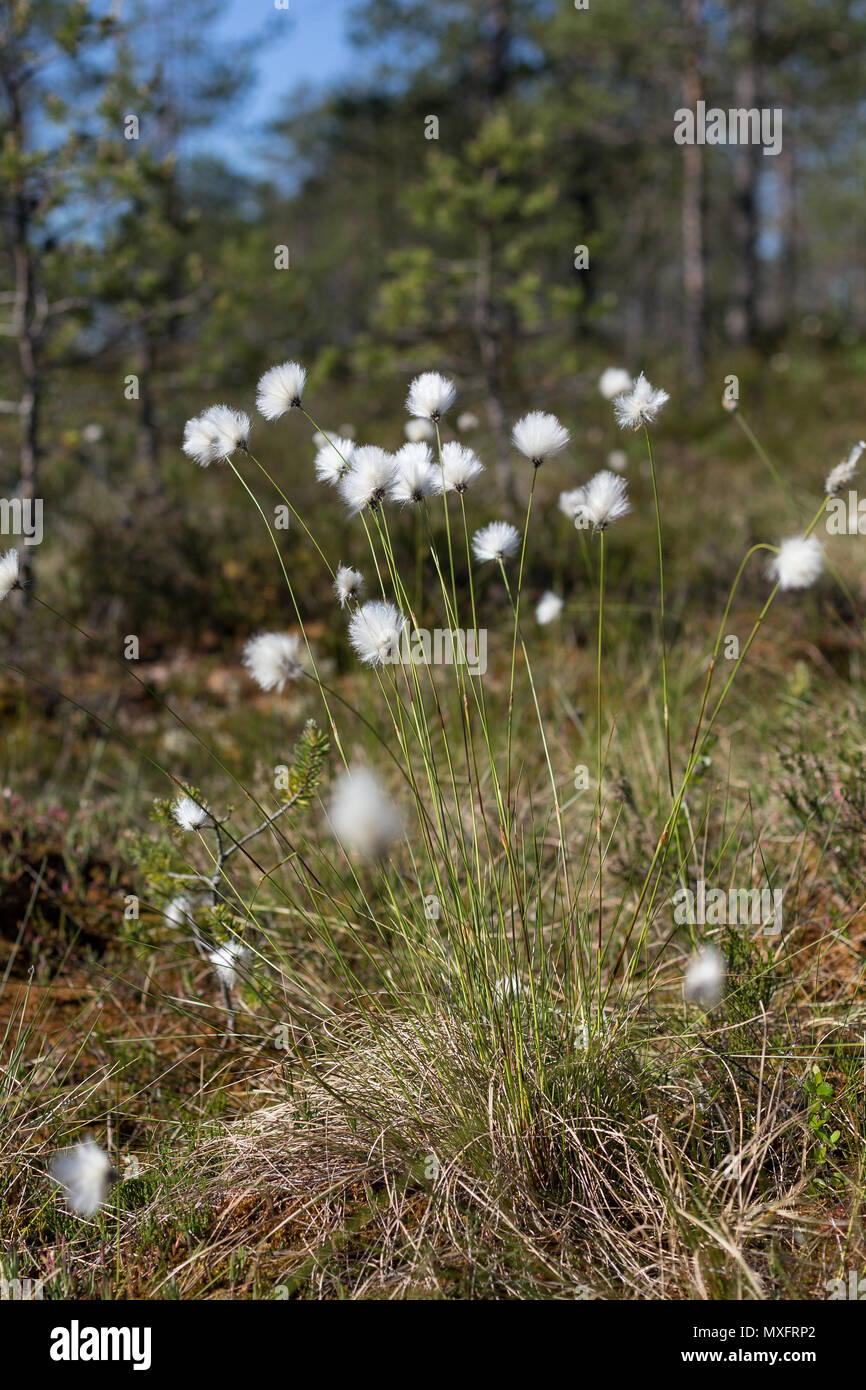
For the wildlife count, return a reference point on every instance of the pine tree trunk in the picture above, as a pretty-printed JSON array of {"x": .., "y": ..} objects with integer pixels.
[{"x": 692, "y": 210}]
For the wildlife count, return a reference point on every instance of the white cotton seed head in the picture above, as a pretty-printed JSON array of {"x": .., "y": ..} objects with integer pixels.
[
  {"x": 415, "y": 475},
  {"x": 430, "y": 395},
  {"x": 84, "y": 1174},
  {"x": 280, "y": 389},
  {"x": 348, "y": 584},
  {"x": 200, "y": 441},
  {"x": 363, "y": 817},
  {"x": 605, "y": 499},
  {"x": 798, "y": 564},
  {"x": 8, "y": 572},
  {"x": 273, "y": 658},
  {"x": 417, "y": 431},
  {"x": 334, "y": 458},
  {"x": 640, "y": 405},
  {"x": 188, "y": 814},
  {"x": 508, "y": 988},
  {"x": 840, "y": 476},
  {"x": 178, "y": 912},
  {"x": 497, "y": 541},
  {"x": 704, "y": 978},
  {"x": 467, "y": 421},
  {"x": 548, "y": 608},
  {"x": 226, "y": 959},
  {"x": 571, "y": 502},
  {"x": 375, "y": 631},
  {"x": 460, "y": 466},
  {"x": 367, "y": 482},
  {"x": 538, "y": 436},
  {"x": 617, "y": 459},
  {"x": 231, "y": 430},
  {"x": 614, "y": 381}
]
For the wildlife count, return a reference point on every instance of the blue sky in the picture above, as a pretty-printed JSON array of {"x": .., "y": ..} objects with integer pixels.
[{"x": 305, "y": 44}]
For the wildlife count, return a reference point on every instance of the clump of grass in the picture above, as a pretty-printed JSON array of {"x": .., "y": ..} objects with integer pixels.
[{"x": 464, "y": 956}]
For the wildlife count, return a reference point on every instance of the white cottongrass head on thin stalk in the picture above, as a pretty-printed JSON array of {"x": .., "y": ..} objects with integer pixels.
[
  {"x": 570, "y": 502},
  {"x": 415, "y": 475},
  {"x": 509, "y": 987},
  {"x": 538, "y": 436},
  {"x": 366, "y": 483},
  {"x": 417, "y": 431},
  {"x": 430, "y": 395},
  {"x": 798, "y": 564},
  {"x": 704, "y": 978},
  {"x": 280, "y": 389},
  {"x": 334, "y": 458},
  {"x": 605, "y": 499},
  {"x": 460, "y": 466},
  {"x": 179, "y": 911},
  {"x": 216, "y": 434},
  {"x": 497, "y": 541},
  {"x": 84, "y": 1174},
  {"x": 8, "y": 572},
  {"x": 548, "y": 608},
  {"x": 364, "y": 818},
  {"x": 226, "y": 959},
  {"x": 273, "y": 658},
  {"x": 375, "y": 631},
  {"x": 640, "y": 405},
  {"x": 232, "y": 429},
  {"x": 189, "y": 814},
  {"x": 348, "y": 584},
  {"x": 614, "y": 381},
  {"x": 840, "y": 476}
]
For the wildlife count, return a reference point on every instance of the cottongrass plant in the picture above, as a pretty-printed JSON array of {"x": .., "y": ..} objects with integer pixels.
[
  {"x": 490, "y": 975},
  {"x": 469, "y": 850}
]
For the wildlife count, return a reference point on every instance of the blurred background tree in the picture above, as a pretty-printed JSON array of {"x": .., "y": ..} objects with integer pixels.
[{"x": 492, "y": 187}]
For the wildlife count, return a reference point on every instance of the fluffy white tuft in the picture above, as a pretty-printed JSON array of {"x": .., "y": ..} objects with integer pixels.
[
  {"x": 231, "y": 429},
  {"x": 334, "y": 458},
  {"x": 348, "y": 584},
  {"x": 538, "y": 436},
  {"x": 497, "y": 541},
  {"x": 617, "y": 459},
  {"x": 417, "y": 431},
  {"x": 226, "y": 959},
  {"x": 415, "y": 474},
  {"x": 460, "y": 466},
  {"x": 84, "y": 1174},
  {"x": 798, "y": 564},
  {"x": 614, "y": 381},
  {"x": 188, "y": 814},
  {"x": 363, "y": 817},
  {"x": 548, "y": 608},
  {"x": 366, "y": 483},
  {"x": 508, "y": 988},
  {"x": 605, "y": 499},
  {"x": 640, "y": 405},
  {"x": 280, "y": 389},
  {"x": 8, "y": 572},
  {"x": 840, "y": 476},
  {"x": 466, "y": 421},
  {"x": 430, "y": 395},
  {"x": 571, "y": 502},
  {"x": 704, "y": 978},
  {"x": 178, "y": 912},
  {"x": 273, "y": 658},
  {"x": 375, "y": 632}
]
